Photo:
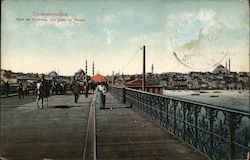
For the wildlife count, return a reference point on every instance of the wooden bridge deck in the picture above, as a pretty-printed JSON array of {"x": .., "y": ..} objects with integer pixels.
[
  {"x": 123, "y": 133},
  {"x": 69, "y": 131}
]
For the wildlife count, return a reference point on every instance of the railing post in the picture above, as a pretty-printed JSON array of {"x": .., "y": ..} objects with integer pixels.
[
  {"x": 175, "y": 106},
  {"x": 167, "y": 118},
  {"x": 211, "y": 130},
  {"x": 232, "y": 134},
  {"x": 196, "y": 127},
  {"x": 184, "y": 121}
]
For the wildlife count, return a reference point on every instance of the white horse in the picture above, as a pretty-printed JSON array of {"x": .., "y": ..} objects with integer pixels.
[{"x": 42, "y": 93}]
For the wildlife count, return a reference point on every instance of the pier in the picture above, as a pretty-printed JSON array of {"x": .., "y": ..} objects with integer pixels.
[{"x": 134, "y": 125}]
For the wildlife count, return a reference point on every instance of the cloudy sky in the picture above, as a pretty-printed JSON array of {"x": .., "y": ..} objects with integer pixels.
[{"x": 180, "y": 36}]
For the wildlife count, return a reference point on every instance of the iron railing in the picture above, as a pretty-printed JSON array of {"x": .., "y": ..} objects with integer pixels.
[{"x": 217, "y": 132}]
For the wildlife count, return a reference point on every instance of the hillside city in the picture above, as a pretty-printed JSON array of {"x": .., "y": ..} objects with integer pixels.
[{"x": 220, "y": 78}]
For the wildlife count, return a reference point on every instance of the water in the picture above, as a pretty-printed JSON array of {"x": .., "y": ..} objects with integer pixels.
[{"x": 229, "y": 99}]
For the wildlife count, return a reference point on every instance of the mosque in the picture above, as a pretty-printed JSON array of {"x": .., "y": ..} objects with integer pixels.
[{"x": 220, "y": 69}]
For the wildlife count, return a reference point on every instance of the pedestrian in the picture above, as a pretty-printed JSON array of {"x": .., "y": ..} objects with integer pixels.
[
  {"x": 86, "y": 90},
  {"x": 38, "y": 86},
  {"x": 33, "y": 86},
  {"x": 101, "y": 88},
  {"x": 7, "y": 88},
  {"x": 20, "y": 90},
  {"x": 107, "y": 86},
  {"x": 92, "y": 86},
  {"x": 28, "y": 90},
  {"x": 76, "y": 90},
  {"x": 45, "y": 87},
  {"x": 24, "y": 92}
]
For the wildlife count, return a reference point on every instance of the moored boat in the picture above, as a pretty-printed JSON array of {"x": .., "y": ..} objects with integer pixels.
[
  {"x": 214, "y": 95},
  {"x": 217, "y": 92},
  {"x": 204, "y": 92},
  {"x": 195, "y": 94}
]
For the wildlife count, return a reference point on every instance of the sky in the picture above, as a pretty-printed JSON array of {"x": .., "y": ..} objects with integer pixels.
[{"x": 180, "y": 36}]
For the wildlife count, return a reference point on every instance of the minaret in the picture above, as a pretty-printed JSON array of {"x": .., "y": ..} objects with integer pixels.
[
  {"x": 113, "y": 73},
  {"x": 229, "y": 64},
  {"x": 226, "y": 68},
  {"x": 93, "y": 70},
  {"x": 86, "y": 70},
  {"x": 152, "y": 69}
]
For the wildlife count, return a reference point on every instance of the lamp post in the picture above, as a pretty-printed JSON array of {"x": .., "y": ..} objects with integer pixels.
[{"x": 144, "y": 68}]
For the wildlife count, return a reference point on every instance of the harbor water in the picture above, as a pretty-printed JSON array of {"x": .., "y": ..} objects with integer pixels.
[{"x": 233, "y": 99}]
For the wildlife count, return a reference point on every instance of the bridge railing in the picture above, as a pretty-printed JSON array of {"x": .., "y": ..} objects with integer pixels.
[{"x": 217, "y": 132}]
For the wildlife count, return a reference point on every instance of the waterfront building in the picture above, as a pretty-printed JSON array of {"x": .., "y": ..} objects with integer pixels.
[
  {"x": 8, "y": 76},
  {"x": 11, "y": 78},
  {"x": 149, "y": 86}
]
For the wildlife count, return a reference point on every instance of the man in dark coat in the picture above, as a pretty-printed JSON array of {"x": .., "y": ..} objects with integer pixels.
[
  {"x": 76, "y": 90},
  {"x": 7, "y": 88},
  {"x": 20, "y": 90}
]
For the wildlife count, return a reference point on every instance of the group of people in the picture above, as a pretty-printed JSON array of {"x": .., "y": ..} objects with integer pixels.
[
  {"x": 23, "y": 90},
  {"x": 76, "y": 90},
  {"x": 100, "y": 87}
]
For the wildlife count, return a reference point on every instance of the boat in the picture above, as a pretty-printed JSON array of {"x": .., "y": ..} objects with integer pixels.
[
  {"x": 217, "y": 92},
  {"x": 195, "y": 94},
  {"x": 203, "y": 92},
  {"x": 214, "y": 95}
]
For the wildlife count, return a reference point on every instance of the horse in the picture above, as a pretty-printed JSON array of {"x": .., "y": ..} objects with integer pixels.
[{"x": 42, "y": 93}]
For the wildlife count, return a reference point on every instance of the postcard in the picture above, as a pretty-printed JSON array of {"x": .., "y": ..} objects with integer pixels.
[{"x": 135, "y": 79}]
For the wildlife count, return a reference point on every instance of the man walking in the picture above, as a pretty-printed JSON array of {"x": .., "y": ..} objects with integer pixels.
[
  {"x": 20, "y": 90},
  {"x": 76, "y": 91},
  {"x": 7, "y": 87},
  {"x": 102, "y": 90},
  {"x": 25, "y": 87},
  {"x": 86, "y": 90}
]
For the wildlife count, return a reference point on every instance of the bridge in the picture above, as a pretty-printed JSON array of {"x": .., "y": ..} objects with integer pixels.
[{"x": 134, "y": 125}]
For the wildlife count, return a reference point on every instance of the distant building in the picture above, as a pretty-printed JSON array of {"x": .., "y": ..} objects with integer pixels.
[
  {"x": 220, "y": 78},
  {"x": 8, "y": 76},
  {"x": 149, "y": 86},
  {"x": 79, "y": 75},
  {"x": 220, "y": 69},
  {"x": 52, "y": 75},
  {"x": 12, "y": 78},
  {"x": 243, "y": 80}
]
